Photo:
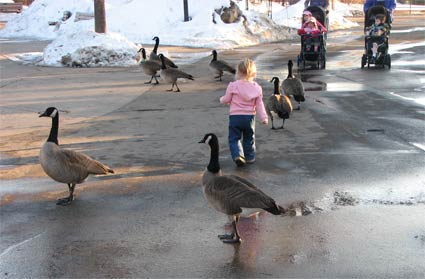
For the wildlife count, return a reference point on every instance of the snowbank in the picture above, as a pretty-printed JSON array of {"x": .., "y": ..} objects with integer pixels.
[{"x": 133, "y": 22}]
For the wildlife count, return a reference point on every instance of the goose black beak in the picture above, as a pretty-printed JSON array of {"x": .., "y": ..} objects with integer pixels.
[
  {"x": 202, "y": 141},
  {"x": 42, "y": 114}
]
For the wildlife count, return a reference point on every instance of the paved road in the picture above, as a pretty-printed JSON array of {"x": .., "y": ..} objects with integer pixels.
[{"x": 354, "y": 154}]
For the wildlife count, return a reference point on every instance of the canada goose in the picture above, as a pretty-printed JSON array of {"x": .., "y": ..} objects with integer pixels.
[
  {"x": 171, "y": 75},
  {"x": 219, "y": 66},
  {"x": 155, "y": 57},
  {"x": 149, "y": 67},
  {"x": 229, "y": 194},
  {"x": 66, "y": 166},
  {"x": 293, "y": 86},
  {"x": 278, "y": 104}
]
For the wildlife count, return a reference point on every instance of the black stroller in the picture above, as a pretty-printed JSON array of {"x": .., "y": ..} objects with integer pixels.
[
  {"x": 383, "y": 59},
  {"x": 308, "y": 55}
]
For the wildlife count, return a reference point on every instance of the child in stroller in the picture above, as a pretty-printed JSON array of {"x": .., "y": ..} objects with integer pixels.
[
  {"x": 376, "y": 36},
  {"x": 312, "y": 32},
  {"x": 377, "y": 31},
  {"x": 313, "y": 38}
]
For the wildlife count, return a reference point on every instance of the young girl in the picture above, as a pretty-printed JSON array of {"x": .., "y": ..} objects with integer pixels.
[
  {"x": 245, "y": 97},
  {"x": 308, "y": 16},
  {"x": 310, "y": 28}
]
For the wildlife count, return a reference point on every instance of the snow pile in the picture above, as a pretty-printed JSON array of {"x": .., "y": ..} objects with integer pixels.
[
  {"x": 90, "y": 49},
  {"x": 33, "y": 22}
]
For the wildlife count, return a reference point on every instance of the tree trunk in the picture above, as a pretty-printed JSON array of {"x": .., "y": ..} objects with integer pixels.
[
  {"x": 186, "y": 10},
  {"x": 99, "y": 16}
]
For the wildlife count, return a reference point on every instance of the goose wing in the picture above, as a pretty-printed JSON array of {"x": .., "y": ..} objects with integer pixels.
[
  {"x": 81, "y": 162},
  {"x": 221, "y": 65},
  {"x": 279, "y": 104},
  {"x": 234, "y": 193},
  {"x": 175, "y": 74},
  {"x": 285, "y": 104},
  {"x": 226, "y": 67},
  {"x": 169, "y": 62},
  {"x": 293, "y": 86}
]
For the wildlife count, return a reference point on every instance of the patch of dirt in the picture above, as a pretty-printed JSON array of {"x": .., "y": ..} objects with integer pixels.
[{"x": 344, "y": 199}]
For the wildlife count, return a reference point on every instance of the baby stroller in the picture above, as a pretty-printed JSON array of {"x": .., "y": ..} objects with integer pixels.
[
  {"x": 383, "y": 59},
  {"x": 308, "y": 55}
]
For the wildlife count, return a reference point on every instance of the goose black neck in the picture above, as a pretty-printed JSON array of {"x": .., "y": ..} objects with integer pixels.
[
  {"x": 53, "y": 136},
  {"x": 144, "y": 54},
  {"x": 214, "y": 56},
  {"x": 163, "y": 66},
  {"x": 276, "y": 87},
  {"x": 214, "y": 165},
  {"x": 289, "y": 70},
  {"x": 155, "y": 48}
]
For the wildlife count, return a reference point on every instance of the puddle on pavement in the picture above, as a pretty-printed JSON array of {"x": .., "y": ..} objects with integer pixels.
[
  {"x": 311, "y": 83},
  {"x": 340, "y": 199}
]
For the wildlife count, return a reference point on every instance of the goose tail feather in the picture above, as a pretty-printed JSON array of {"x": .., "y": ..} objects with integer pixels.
[
  {"x": 276, "y": 210},
  {"x": 98, "y": 168}
]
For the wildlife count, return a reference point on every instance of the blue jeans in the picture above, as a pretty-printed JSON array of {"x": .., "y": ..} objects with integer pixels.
[{"x": 242, "y": 127}]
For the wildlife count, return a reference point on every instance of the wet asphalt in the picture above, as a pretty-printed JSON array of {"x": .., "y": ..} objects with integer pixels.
[{"x": 350, "y": 164}]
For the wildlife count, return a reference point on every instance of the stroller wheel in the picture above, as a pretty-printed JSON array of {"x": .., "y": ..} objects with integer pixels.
[
  {"x": 364, "y": 58},
  {"x": 388, "y": 61}
]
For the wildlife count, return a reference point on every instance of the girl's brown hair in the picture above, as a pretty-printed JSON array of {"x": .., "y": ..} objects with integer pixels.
[{"x": 246, "y": 69}]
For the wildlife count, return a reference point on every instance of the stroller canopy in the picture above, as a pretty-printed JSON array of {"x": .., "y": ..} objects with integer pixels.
[{"x": 370, "y": 14}]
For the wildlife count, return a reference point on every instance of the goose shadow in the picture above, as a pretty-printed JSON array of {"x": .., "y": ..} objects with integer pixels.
[{"x": 318, "y": 85}]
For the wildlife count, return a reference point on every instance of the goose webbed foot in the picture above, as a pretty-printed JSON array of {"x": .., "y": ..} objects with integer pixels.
[
  {"x": 219, "y": 77},
  {"x": 226, "y": 236},
  {"x": 65, "y": 201},
  {"x": 298, "y": 108},
  {"x": 232, "y": 241}
]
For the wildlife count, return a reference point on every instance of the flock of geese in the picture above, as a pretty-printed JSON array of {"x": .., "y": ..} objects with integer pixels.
[{"x": 228, "y": 194}]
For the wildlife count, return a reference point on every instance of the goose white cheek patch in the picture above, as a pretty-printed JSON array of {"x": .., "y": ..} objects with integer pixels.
[
  {"x": 53, "y": 114},
  {"x": 207, "y": 141}
]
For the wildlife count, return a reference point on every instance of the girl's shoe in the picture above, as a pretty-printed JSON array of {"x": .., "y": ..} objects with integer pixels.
[
  {"x": 240, "y": 161},
  {"x": 250, "y": 161}
]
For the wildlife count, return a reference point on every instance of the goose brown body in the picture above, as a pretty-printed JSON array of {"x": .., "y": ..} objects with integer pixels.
[{"x": 68, "y": 166}]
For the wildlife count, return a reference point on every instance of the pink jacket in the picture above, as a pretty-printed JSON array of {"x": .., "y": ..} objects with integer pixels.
[{"x": 245, "y": 98}]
